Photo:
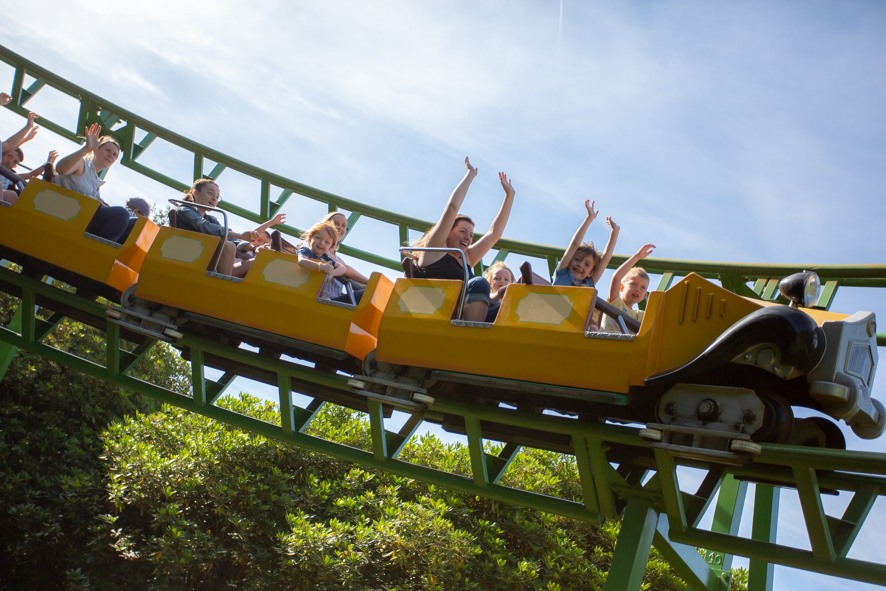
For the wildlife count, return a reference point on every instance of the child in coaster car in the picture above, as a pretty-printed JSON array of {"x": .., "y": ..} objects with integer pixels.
[
  {"x": 316, "y": 255},
  {"x": 582, "y": 265},
  {"x": 627, "y": 287},
  {"x": 499, "y": 276},
  {"x": 12, "y": 156},
  {"x": 138, "y": 208},
  {"x": 246, "y": 250}
]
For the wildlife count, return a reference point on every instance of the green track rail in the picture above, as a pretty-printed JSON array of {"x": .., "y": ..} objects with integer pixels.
[{"x": 621, "y": 477}]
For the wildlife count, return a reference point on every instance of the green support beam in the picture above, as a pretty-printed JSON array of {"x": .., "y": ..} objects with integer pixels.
[
  {"x": 673, "y": 514},
  {"x": 658, "y": 513},
  {"x": 638, "y": 527},
  {"x": 764, "y": 529},
  {"x": 727, "y": 517}
]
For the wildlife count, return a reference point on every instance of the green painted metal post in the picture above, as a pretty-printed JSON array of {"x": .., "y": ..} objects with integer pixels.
[
  {"x": 600, "y": 469},
  {"x": 287, "y": 419},
  {"x": 265, "y": 204},
  {"x": 583, "y": 462},
  {"x": 764, "y": 529},
  {"x": 475, "y": 448},
  {"x": 814, "y": 515},
  {"x": 198, "y": 165},
  {"x": 7, "y": 350},
  {"x": 377, "y": 430},
  {"x": 112, "y": 348},
  {"x": 670, "y": 490},
  {"x": 632, "y": 547},
  {"x": 727, "y": 517},
  {"x": 28, "y": 309},
  {"x": 687, "y": 562},
  {"x": 198, "y": 381}
]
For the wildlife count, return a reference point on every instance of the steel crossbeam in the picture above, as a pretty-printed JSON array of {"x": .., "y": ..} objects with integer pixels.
[
  {"x": 136, "y": 135},
  {"x": 645, "y": 494},
  {"x": 654, "y": 510}
]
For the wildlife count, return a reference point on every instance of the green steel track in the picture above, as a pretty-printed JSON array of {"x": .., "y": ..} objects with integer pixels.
[{"x": 621, "y": 476}]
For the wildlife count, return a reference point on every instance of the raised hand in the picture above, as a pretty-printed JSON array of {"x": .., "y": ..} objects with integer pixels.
[
  {"x": 53, "y": 156},
  {"x": 506, "y": 184},
  {"x": 31, "y": 117},
  {"x": 612, "y": 225},
  {"x": 279, "y": 218},
  {"x": 645, "y": 250},
  {"x": 93, "y": 133},
  {"x": 592, "y": 213},
  {"x": 4, "y": 99},
  {"x": 471, "y": 170},
  {"x": 32, "y": 131}
]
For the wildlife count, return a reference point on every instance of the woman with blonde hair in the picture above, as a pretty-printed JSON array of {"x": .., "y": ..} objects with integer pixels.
[{"x": 79, "y": 173}]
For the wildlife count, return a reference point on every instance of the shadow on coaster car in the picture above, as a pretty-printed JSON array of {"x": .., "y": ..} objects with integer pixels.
[
  {"x": 275, "y": 306},
  {"x": 704, "y": 360},
  {"x": 47, "y": 232}
]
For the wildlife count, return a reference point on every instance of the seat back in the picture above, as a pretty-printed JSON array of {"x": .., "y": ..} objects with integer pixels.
[
  {"x": 409, "y": 268},
  {"x": 172, "y": 215},
  {"x": 528, "y": 277}
]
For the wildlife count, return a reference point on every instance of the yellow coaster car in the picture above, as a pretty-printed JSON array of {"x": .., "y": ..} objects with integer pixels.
[
  {"x": 703, "y": 358},
  {"x": 274, "y": 306},
  {"x": 47, "y": 229}
]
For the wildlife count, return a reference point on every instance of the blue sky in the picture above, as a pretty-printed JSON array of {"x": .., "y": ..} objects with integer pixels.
[{"x": 719, "y": 131}]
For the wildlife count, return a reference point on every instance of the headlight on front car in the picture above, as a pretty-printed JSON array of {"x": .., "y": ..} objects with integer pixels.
[{"x": 802, "y": 289}]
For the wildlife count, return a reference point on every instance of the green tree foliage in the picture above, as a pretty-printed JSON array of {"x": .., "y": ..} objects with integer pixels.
[
  {"x": 103, "y": 489},
  {"x": 53, "y": 480}
]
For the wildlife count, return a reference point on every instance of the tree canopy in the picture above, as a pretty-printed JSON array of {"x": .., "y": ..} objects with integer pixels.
[{"x": 104, "y": 489}]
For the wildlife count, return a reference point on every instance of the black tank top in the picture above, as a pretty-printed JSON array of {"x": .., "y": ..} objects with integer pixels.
[{"x": 447, "y": 267}]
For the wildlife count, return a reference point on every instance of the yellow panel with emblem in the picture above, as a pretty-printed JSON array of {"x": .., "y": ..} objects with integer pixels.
[
  {"x": 276, "y": 296},
  {"x": 539, "y": 334},
  {"x": 49, "y": 223}
]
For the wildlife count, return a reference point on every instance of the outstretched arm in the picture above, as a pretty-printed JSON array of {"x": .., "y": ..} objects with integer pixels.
[
  {"x": 73, "y": 163},
  {"x": 277, "y": 219},
  {"x": 626, "y": 266},
  {"x": 437, "y": 237},
  {"x": 356, "y": 275},
  {"x": 38, "y": 170},
  {"x": 608, "y": 251},
  {"x": 479, "y": 249},
  {"x": 25, "y": 134},
  {"x": 312, "y": 264},
  {"x": 579, "y": 235}
]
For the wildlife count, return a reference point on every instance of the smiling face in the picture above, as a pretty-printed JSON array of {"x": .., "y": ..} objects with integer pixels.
[
  {"x": 633, "y": 290},
  {"x": 11, "y": 159},
  {"x": 581, "y": 267},
  {"x": 105, "y": 155},
  {"x": 321, "y": 242},
  {"x": 341, "y": 224},
  {"x": 501, "y": 278},
  {"x": 461, "y": 235},
  {"x": 207, "y": 194}
]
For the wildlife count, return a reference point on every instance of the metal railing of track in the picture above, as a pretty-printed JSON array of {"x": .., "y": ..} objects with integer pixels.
[
  {"x": 136, "y": 135},
  {"x": 620, "y": 476},
  {"x": 654, "y": 511}
]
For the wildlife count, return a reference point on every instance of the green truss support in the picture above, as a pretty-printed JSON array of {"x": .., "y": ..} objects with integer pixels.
[
  {"x": 765, "y": 527},
  {"x": 727, "y": 518},
  {"x": 638, "y": 527},
  {"x": 656, "y": 514}
]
